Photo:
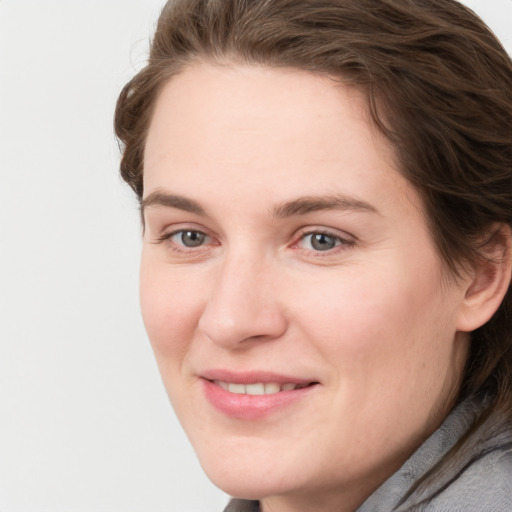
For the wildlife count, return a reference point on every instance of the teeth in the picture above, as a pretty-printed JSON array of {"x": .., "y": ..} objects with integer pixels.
[
  {"x": 223, "y": 385},
  {"x": 255, "y": 389},
  {"x": 258, "y": 388},
  {"x": 272, "y": 388},
  {"x": 236, "y": 388}
]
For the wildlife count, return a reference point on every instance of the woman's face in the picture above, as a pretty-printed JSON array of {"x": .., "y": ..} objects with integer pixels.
[{"x": 299, "y": 314}]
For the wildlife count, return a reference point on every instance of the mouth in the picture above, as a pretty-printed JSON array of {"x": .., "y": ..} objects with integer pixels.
[
  {"x": 259, "y": 388},
  {"x": 254, "y": 396}
]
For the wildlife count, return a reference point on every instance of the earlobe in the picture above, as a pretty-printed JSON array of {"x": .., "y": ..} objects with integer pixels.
[{"x": 489, "y": 282}]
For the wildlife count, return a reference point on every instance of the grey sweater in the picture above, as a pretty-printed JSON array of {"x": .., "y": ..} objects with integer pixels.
[{"x": 478, "y": 481}]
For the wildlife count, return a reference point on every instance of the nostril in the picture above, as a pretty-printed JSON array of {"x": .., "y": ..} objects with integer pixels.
[{"x": 230, "y": 323}]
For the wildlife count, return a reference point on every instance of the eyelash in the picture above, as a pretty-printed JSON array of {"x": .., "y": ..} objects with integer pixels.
[
  {"x": 181, "y": 249},
  {"x": 341, "y": 243}
]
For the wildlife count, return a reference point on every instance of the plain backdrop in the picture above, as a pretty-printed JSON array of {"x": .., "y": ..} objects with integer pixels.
[{"x": 85, "y": 425}]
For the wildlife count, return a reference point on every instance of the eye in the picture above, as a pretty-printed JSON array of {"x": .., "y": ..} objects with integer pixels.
[
  {"x": 319, "y": 241},
  {"x": 187, "y": 243},
  {"x": 189, "y": 238}
]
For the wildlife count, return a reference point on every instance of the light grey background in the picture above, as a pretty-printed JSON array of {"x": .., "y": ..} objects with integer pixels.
[{"x": 85, "y": 425}]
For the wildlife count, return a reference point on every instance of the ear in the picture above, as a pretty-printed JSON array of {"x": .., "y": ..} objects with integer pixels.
[{"x": 488, "y": 283}]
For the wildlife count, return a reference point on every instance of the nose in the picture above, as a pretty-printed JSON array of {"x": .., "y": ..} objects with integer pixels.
[{"x": 243, "y": 305}]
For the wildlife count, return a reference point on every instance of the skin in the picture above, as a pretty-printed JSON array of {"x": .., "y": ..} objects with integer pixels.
[{"x": 374, "y": 320}]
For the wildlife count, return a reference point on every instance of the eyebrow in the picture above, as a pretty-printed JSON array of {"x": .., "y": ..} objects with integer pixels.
[
  {"x": 309, "y": 204},
  {"x": 300, "y": 206},
  {"x": 158, "y": 198}
]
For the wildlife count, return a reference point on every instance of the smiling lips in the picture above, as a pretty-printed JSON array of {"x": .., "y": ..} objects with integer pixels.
[
  {"x": 260, "y": 388},
  {"x": 251, "y": 396}
]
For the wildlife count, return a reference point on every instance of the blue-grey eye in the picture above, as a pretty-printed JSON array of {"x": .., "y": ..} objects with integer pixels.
[
  {"x": 190, "y": 238},
  {"x": 322, "y": 241}
]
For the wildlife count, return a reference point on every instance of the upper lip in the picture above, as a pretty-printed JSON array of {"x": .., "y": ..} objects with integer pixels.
[{"x": 251, "y": 377}]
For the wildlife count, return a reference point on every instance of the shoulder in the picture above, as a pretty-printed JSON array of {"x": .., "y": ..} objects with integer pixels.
[
  {"x": 475, "y": 476},
  {"x": 483, "y": 485}
]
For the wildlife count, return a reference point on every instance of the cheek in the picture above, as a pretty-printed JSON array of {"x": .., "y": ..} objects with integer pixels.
[
  {"x": 170, "y": 308},
  {"x": 382, "y": 324},
  {"x": 389, "y": 354}
]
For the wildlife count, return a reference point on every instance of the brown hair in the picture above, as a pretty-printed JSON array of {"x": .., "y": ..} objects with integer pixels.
[{"x": 439, "y": 85}]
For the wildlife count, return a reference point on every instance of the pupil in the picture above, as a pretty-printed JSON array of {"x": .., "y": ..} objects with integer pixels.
[
  {"x": 192, "y": 238},
  {"x": 321, "y": 242}
]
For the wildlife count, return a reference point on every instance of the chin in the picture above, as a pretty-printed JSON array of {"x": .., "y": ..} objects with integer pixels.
[
  {"x": 247, "y": 486},
  {"x": 250, "y": 479}
]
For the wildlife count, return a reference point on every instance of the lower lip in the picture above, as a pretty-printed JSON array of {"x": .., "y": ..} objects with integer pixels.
[{"x": 251, "y": 407}]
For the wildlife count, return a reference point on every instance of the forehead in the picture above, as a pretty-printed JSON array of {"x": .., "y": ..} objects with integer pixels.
[
  {"x": 248, "y": 102},
  {"x": 279, "y": 132}
]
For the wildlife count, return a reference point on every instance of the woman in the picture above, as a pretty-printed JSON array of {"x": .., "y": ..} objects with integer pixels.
[{"x": 326, "y": 195}]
